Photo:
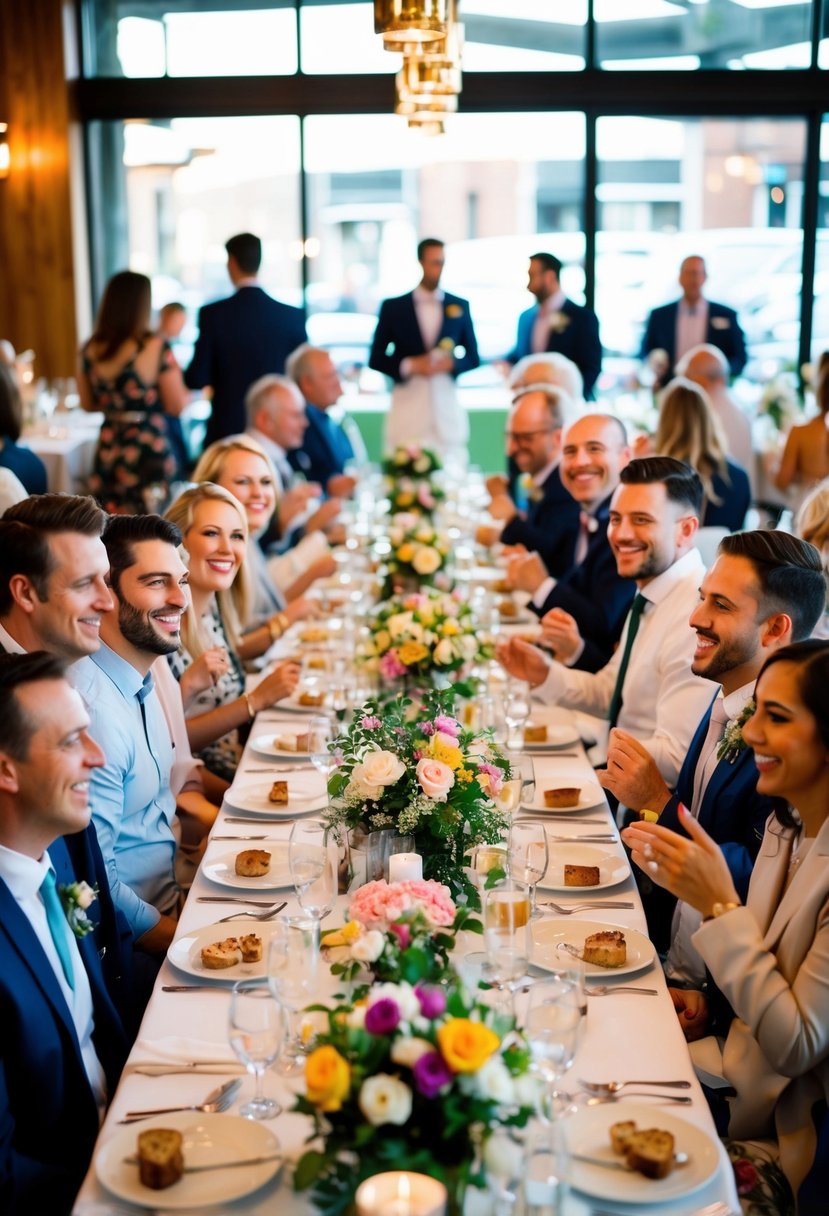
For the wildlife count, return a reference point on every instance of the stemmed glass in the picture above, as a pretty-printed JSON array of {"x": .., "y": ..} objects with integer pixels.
[
  {"x": 528, "y": 856},
  {"x": 293, "y": 956},
  {"x": 552, "y": 1029},
  {"x": 506, "y": 914},
  {"x": 313, "y": 859},
  {"x": 256, "y": 1031},
  {"x": 517, "y": 708},
  {"x": 320, "y": 737}
]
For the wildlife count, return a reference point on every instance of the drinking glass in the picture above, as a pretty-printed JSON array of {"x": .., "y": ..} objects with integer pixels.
[
  {"x": 256, "y": 1031},
  {"x": 527, "y": 856},
  {"x": 509, "y": 798},
  {"x": 506, "y": 908},
  {"x": 517, "y": 708},
  {"x": 313, "y": 857},
  {"x": 293, "y": 957},
  {"x": 552, "y": 1029},
  {"x": 526, "y": 768},
  {"x": 320, "y": 737}
]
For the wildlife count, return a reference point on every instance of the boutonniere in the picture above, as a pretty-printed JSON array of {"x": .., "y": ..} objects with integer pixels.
[
  {"x": 534, "y": 493},
  {"x": 76, "y": 897},
  {"x": 720, "y": 323},
  {"x": 454, "y": 310},
  {"x": 559, "y": 322},
  {"x": 732, "y": 742},
  {"x": 447, "y": 344}
]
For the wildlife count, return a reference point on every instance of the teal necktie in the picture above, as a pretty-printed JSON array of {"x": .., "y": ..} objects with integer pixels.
[
  {"x": 58, "y": 925},
  {"x": 636, "y": 610}
]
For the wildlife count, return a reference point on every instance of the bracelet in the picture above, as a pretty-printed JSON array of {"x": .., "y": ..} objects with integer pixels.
[
  {"x": 719, "y": 910},
  {"x": 282, "y": 621},
  {"x": 274, "y": 628},
  {"x": 251, "y": 710}
]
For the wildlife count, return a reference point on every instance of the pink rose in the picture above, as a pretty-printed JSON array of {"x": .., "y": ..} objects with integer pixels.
[{"x": 435, "y": 778}]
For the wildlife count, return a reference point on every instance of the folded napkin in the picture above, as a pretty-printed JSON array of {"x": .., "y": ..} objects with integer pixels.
[{"x": 179, "y": 1050}]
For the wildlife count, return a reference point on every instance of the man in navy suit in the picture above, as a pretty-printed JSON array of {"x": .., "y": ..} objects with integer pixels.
[
  {"x": 765, "y": 590},
  {"x": 557, "y": 324},
  {"x": 582, "y": 613},
  {"x": 63, "y": 1045},
  {"x": 691, "y": 321},
  {"x": 326, "y": 448},
  {"x": 423, "y": 341},
  {"x": 241, "y": 338}
]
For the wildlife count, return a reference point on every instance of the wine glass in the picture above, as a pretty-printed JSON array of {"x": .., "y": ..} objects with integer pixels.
[
  {"x": 293, "y": 956},
  {"x": 256, "y": 1030},
  {"x": 509, "y": 797},
  {"x": 527, "y": 770},
  {"x": 313, "y": 859},
  {"x": 320, "y": 737},
  {"x": 528, "y": 856},
  {"x": 517, "y": 711},
  {"x": 506, "y": 915},
  {"x": 552, "y": 1028}
]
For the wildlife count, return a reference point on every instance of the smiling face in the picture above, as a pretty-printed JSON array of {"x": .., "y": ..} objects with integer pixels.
[
  {"x": 593, "y": 455},
  {"x": 249, "y": 479},
  {"x": 532, "y": 440},
  {"x": 152, "y": 595},
  {"x": 215, "y": 543},
  {"x": 792, "y": 759},
  {"x": 728, "y": 625},
  {"x": 647, "y": 531},
  {"x": 541, "y": 283},
  {"x": 68, "y": 620}
]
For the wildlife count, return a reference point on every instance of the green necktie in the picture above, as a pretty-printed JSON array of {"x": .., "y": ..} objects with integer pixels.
[
  {"x": 58, "y": 925},
  {"x": 634, "y": 617}
]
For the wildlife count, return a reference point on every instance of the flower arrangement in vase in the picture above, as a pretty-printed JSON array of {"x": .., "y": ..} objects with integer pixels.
[
  {"x": 419, "y": 554},
  {"x": 425, "y": 633}
]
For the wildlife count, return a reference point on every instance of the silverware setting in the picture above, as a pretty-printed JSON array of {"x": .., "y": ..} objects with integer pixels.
[
  {"x": 195, "y": 1068},
  {"x": 263, "y": 836},
  {"x": 255, "y": 823},
  {"x": 265, "y": 914},
  {"x": 619, "y": 1163},
  {"x": 593, "y": 837},
  {"x": 218, "y": 1165},
  {"x": 583, "y": 907},
  {"x": 232, "y": 899},
  {"x": 193, "y": 988},
  {"x": 611, "y": 989},
  {"x": 217, "y": 1100},
  {"x": 613, "y": 1087},
  {"x": 603, "y": 1100}
]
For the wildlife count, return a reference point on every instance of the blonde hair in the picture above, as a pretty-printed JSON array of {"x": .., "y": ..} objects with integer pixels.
[
  {"x": 689, "y": 430},
  {"x": 235, "y": 603},
  {"x": 212, "y": 460},
  {"x": 812, "y": 523}
]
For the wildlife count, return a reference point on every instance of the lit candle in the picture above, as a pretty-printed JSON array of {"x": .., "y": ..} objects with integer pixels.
[
  {"x": 401, "y": 1194},
  {"x": 405, "y": 867}
]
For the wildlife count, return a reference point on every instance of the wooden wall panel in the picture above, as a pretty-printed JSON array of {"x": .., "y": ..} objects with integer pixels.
[{"x": 37, "y": 297}]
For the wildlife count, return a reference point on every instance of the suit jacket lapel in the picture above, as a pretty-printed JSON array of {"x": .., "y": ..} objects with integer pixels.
[
  {"x": 415, "y": 324},
  {"x": 723, "y": 774},
  {"x": 764, "y": 898},
  {"x": 24, "y": 942},
  {"x": 809, "y": 879},
  {"x": 685, "y": 781}
]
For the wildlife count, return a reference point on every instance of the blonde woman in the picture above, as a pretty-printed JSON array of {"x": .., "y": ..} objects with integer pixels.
[
  {"x": 215, "y": 533},
  {"x": 812, "y": 524}
]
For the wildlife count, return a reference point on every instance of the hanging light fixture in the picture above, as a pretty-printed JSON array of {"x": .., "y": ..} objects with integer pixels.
[
  {"x": 434, "y": 68},
  {"x": 5, "y": 151},
  {"x": 404, "y": 22}
]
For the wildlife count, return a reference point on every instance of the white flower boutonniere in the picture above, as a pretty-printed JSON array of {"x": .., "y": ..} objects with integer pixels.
[
  {"x": 732, "y": 742},
  {"x": 76, "y": 897},
  {"x": 559, "y": 322}
]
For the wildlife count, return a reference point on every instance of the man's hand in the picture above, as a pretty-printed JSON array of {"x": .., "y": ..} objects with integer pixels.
[
  {"x": 496, "y": 484},
  {"x": 502, "y": 507},
  {"x": 487, "y": 535},
  {"x": 526, "y": 573},
  {"x": 293, "y": 502},
  {"x": 341, "y": 485},
  {"x": 440, "y": 361},
  {"x": 523, "y": 661},
  {"x": 692, "y": 1010},
  {"x": 560, "y": 631},
  {"x": 632, "y": 775},
  {"x": 324, "y": 515}
]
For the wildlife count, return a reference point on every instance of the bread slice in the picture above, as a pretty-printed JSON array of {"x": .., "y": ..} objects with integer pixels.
[
  {"x": 218, "y": 956},
  {"x": 565, "y": 795},
  {"x": 607, "y": 948},
  {"x": 160, "y": 1160},
  {"x": 279, "y": 792},
  {"x": 651, "y": 1153},
  {"x": 310, "y": 698},
  {"x": 582, "y": 876},
  {"x": 620, "y": 1134},
  {"x": 251, "y": 946},
  {"x": 535, "y": 734},
  {"x": 313, "y": 634},
  {"x": 253, "y": 863},
  {"x": 291, "y": 743}
]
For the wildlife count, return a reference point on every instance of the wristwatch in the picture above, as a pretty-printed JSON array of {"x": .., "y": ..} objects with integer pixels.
[{"x": 719, "y": 910}]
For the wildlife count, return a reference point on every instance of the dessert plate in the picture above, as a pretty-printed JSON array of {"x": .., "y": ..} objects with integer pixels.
[
  {"x": 251, "y": 796},
  {"x": 266, "y": 745},
  {"x": 592, "y": 795},
  {"x": 557, "y": 736},
  {"x": 185, "y": 952},
  {"x": 549, "y": 934},
  {"x": 613, "y": 867},
  {"x": 222, "y": 869}
]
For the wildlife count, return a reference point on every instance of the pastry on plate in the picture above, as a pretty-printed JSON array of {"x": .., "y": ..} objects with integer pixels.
[
  {"x": 218, "y": 956},
  {"x": 279, "y": 792},
  {"x": 253, "y": 863},
  {"x": 563, "y": 795},
  {"x": 535, "y": 734},
  {"x": 607, "y": 948},
  {"x": 581, "y": 876},
  {"x": 160, "y": 1159}
]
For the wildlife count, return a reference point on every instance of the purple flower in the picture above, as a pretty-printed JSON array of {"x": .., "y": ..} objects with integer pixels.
[
  {"x": 431, "y": 1074},
  {"x": 383, "y": 1016},
  {"x": 370, "y": 723},
  {"x": 432, "y": 1001},
  {"x": 448, "y": 726},
  {"x": 403, "y": 934},
  {"x": 427, "y": 728}
]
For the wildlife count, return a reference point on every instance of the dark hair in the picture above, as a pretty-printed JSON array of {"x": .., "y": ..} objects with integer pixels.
[
  {"x": 548, "y": 261},
  {"x": 789, "y": 571},
  {"x": 17, "y": 669},
  {"x": 173, "y": 306},
  {"x": 811, "y": 658},
  {"x": 247, "y": 250},
  {"x": 11, "y": 405},
  {"x": 124, "y": 313},
  {"x": 24, "y": 537},
  {"x": 681, "y": 482},
  {"x": 822, "y": 383},
  {"x": 429, "y": 242},
  {"x": 123, "y": 532}
]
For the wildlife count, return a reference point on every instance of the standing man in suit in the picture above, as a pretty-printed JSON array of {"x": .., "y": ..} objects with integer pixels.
[
  {"x": 765, "y": 590},
  {"x": 423, "y": 341},
  {"x": 676, "y": 328},
  {"x": 557, "y": 324},
  {"x": 326, "y": 448},
  {"x": 63, "y": 1045},
  {"x": 241, "y": 338}
]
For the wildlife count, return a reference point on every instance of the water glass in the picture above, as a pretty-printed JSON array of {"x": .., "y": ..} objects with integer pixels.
[
  {"x": 320, "y": 737},
  {"x": 517, "y": 708},
  {"x": 506, "y": 915},
  {"x": 313, "y": 858},
  {"x": 552, "y": 1028},
  {"x": 256, "y": 1030},
  {"x": 528, "y": 856},
  {"x": 293, "y": 960}
]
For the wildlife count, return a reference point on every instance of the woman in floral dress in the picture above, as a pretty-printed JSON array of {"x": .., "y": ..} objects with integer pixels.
[{"x": 130, "y": 374}]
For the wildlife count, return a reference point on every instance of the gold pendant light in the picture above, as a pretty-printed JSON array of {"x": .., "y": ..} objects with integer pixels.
[{"x": 403, "y": 22}]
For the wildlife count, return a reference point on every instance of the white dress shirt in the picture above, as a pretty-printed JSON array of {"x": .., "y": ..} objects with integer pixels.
[
  {"x": 541, "y": 324},
  {"x": 24, "y": 876},
  {"x": 9, "y": 644},
  {"x": 663, "y": 700},
  {"x": 691, "y": 326}
]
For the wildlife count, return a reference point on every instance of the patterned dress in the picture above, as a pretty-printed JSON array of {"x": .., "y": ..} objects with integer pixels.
[{"x": 134, "y": 452}]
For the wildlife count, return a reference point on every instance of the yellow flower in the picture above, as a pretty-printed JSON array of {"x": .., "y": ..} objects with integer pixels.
[
  {"x": 450, "y": 629},
  {"x": 412, "y": 652},
  {"x": 345, "y": 936},
  {"x": 406, "y": 552},
  {"x": 464, "y": 775},
  {"x": 453, "y": 756},
  {"x": 465, "y": 1045},
  {"x": 405, "y": 498},
  {"x": 327, "y": 1078}
]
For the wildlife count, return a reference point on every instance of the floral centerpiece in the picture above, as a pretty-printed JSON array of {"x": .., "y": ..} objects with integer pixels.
[
  {"x": 409, "y": 480},
  {"x": 780, "y": 403},
  {"x": 401, "y": 930},
  {"x": 427, "y": 777},
  {"x": 420, "y": 1078},
  {"x": 419, "y": 553},
  {"x": 421, "y": 633}
]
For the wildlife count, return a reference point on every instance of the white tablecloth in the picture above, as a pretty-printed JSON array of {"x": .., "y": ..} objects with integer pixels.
[
  {"x": 67, "y": 447},
  {"x": 626, "y": 1035}
]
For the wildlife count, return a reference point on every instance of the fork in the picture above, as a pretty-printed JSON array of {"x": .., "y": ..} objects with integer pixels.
[
  {"x": 609, "y": 989},
  {"x": 562, "y": 911},
  {"x": 224, "y": 1097},
  {"x": 265, "y": 914},
  {"x": 606, "y": 1099},
  {"x": 613, "y": 1087}
]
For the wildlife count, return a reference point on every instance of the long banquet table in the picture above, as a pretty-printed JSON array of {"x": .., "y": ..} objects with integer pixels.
[{"x": 626, "y": 1035}]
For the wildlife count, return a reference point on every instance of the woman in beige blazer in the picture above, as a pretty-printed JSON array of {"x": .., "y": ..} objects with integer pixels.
[{"x": 771, "y": 957}]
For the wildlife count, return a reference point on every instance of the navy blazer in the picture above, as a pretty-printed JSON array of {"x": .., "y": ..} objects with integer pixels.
[
  {"x": 596, "y": 595},
  {"x": 246, "y": 336},
  {"x": 398, "y": 335},
  {"x": 577, "y": 339},
  {"x": 326, "y": 449},
  {"x": 735, "y": 495},
  {"x": 26, "y": 465},
  {"x": 48, "y": 1116},
  {"x": 732, "y": 812},
  {"x": 550, "y": 526},
  {"x": 723, "y": 331}
]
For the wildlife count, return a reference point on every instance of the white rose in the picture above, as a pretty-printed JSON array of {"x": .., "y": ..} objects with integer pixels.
[
  {"x": 402, "y": 994},
  {"x": 527, "y": 1089},
  {"x": 382, "y": 640},
  {"x": 424, "y": 535},
  {"x": 385, "y": 1099},
  {"x": 503, "y": 1157},
  {"x": 468, "y": 645},
  {"x": 399, "y": 624},
  {"x": 429, "y": 637},
  {"x": 415, "y": 632},
  {"x": 369, "y": 947},
  {"x": 426, "y": 560},
  {"x": 481, "y": 748},
  {"x": 434, "y": 777},
  {"x": 85, "y": 896},
  {"x": 444, "y": 652},
  {"x": 356, "y": 1019},
  {"x": 407, "y": 1052},
  {"x": 494, "y": 1082},
  {"x": 421, "y": 465},
  {"x": 376, "y": 770}
]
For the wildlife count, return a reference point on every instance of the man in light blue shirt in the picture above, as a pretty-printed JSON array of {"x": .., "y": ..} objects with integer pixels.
[{"x": 132, "y": 802}]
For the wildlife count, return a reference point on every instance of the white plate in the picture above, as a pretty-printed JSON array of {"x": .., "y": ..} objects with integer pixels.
[
  {"x": 264, "y": 745},
  {"x": 207, "y": 1138},
  {"x": 222, "y": 869},
  {"x": 185, "y": 952},
  {"x": 251, "y": 796},
  {"x": 591, "y": 795},
  {"x": 548, "y": 934},
  {"x": 587, "y": 1132},
  {"x": 292, "y": 704},
  {"x": 557, "y": 736},
  {"x": 613, "y": 867}
]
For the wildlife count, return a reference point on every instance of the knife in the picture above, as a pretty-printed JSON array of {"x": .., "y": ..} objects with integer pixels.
[
  {"x": 253, "y": 903},
  {"x": 219, "y": 1165},
  {"x": 253, "y": 822},
  {"x": 620, "y": 1164},
  {"x": 262, "y": 837},
  {"x": 217, "y": 1069},
  {"x": 195, "y": 988}
]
